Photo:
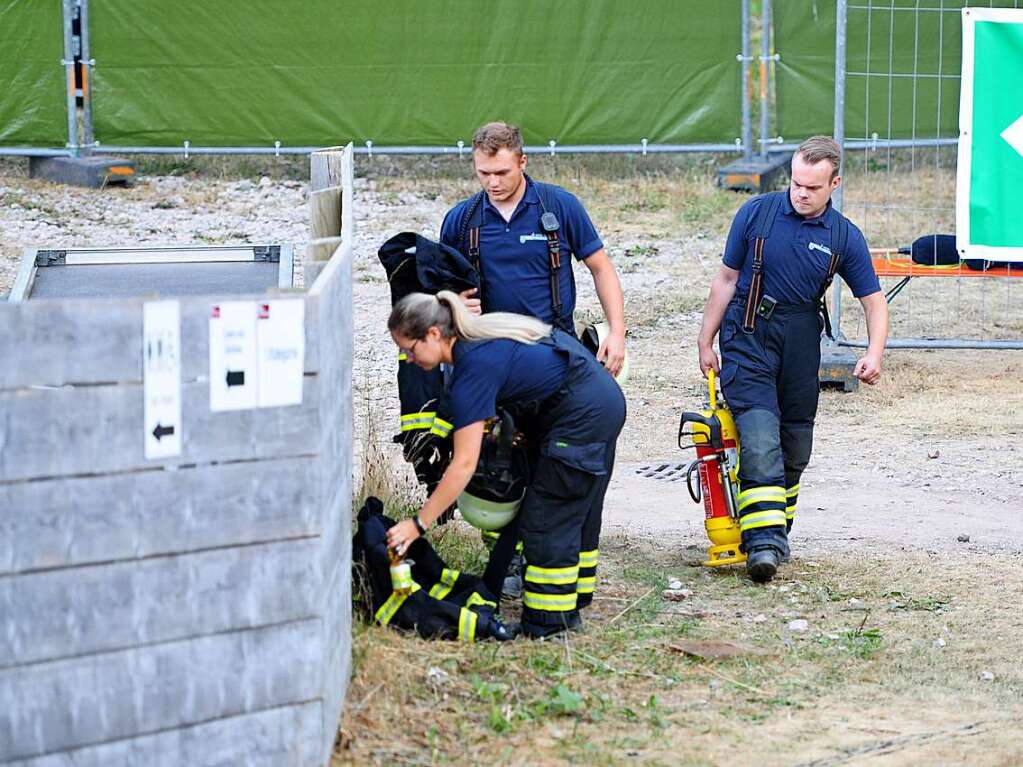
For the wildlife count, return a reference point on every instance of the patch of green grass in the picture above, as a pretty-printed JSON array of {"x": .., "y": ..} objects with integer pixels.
[
  {"x": 709, "y": 208},
  {"x": 645, "y": 574},
  {"x": 641, "y": 250},
  {"x": 931, "y": 604},
  {"x": 460, "y": 546}
]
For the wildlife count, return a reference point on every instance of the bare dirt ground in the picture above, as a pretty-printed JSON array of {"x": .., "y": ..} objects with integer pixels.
[{"x": 910, "y": 652}]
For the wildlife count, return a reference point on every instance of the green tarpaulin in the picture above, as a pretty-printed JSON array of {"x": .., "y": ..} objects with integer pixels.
[
  {"x": 414, "y": 72},
  {"x": 903, "y": 61},
  {"x": 33, "y": 101}
]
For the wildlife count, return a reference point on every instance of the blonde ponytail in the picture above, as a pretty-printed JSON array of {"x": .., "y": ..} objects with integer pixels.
[
  {"x": 416, "y": 313},
  {"x": 472, "y": 327}
]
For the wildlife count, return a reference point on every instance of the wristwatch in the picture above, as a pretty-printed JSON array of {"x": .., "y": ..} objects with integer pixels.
[{"x": 419, "y": 525}]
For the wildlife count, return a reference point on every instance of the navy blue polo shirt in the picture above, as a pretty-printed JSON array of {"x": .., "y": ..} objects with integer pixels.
[
  {"x": 797, "y": 254},
  {"x": 502, "y": 371},
  {"x": 513, "y": 254}
]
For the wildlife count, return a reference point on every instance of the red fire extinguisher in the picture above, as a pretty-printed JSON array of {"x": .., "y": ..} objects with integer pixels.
[{"x": 714, "y": 436}]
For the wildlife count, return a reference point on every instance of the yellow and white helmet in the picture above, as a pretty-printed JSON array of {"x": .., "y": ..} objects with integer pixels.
[{"x": 486, "y": 514}]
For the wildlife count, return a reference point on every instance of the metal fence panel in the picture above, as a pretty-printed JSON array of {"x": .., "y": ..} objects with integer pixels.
[
  {"x": 903, "y": 60},
  {"x": 899, "y": 193},
  {"x": 414, "y": 72},
  {"x": 32, "y": 94}
]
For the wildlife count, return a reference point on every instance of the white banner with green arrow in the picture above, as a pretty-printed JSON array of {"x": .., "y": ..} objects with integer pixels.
[{"x": 989, "y": 181}]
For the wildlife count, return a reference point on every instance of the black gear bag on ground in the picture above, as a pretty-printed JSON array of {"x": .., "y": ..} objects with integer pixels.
[{"x": 444, "y": 603}]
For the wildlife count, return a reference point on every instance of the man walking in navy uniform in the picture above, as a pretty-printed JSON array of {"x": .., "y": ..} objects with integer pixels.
[{"x": 783, "y": 250}]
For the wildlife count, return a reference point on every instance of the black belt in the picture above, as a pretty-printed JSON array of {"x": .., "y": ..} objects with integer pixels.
[{"x": 805, "y": 308}]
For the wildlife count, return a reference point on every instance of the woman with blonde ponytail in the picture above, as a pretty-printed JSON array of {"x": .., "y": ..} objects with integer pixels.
[{"x": 545, "y": 378}]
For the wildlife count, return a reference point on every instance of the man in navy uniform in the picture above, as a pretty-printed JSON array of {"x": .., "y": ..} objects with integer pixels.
[
  {"x": 782, "y": 252},
  {"x": 520, "y": 235},
  {"x": 500, "y": 228}
]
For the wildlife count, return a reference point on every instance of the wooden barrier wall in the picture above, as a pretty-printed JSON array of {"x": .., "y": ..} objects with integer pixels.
[{"x": 193, "y": 610}]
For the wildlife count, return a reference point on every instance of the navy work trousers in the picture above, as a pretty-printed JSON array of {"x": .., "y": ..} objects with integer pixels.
[
  {"x": 770, "y": 379},
  {"x": 561, "y": 514}
]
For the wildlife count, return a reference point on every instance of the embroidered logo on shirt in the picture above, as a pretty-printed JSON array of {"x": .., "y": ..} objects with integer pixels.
[
  {"x": 524, "y": 238},
  {"x": 821, "y": 248}
]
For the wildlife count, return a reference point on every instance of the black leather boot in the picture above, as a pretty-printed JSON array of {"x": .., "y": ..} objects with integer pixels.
[{"x": 762, "y": 563}]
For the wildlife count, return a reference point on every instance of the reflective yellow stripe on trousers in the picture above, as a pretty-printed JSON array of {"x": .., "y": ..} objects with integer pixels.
[
  {"x": 393, "y": 604},
  {"x": 447, "y": 582},
  {"x": 587, "y": 571},
  {"x": 761, "y": 519},
  {"x": 766, "y": 494},
  {"x": 791, "y": 495},
  {"x": 556, "y": 576},
  {"x": 549, "y": 602},
  {"x": 475, "y": 599},
  {"x": 467, "y": 625}
]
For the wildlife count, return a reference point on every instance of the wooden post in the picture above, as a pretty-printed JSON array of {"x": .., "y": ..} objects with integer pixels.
[
  {"x": 322, "y": 249},
  {"x": 328, "y": 170},
  {"x": 325, "y": 213}
]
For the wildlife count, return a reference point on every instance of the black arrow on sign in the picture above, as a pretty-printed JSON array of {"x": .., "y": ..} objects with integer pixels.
[
  {"x": 162, "y": 431},
  {"x": 235, "y": 378}
]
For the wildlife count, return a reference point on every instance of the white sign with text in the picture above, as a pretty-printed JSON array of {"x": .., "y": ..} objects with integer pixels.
[
  {"x": 257, "y": 354},
  {"x": 161, "y": 379},
  {"x": 233, "y": 384}
]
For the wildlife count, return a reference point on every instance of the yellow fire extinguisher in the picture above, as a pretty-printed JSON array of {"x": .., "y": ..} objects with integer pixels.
[{"x": 716, "y": 440}]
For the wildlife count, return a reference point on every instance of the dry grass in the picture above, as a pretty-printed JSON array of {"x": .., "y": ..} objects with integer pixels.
[{"x": 870, "y": 675}]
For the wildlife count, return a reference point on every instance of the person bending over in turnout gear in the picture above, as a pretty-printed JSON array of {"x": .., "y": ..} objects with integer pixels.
[
  {"x": 767, "y": 300},
  {"x": 543, "y": 376},
  {"x": 523, "y": 267}
]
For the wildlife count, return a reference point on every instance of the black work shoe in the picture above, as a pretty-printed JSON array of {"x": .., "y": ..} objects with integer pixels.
[
  {"x": 566, "y": 622},
  {"x": 762, "y": 564},
  {"x": 504, "y": 632}
]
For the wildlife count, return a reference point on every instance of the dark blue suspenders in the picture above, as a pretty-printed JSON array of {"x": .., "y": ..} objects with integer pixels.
[
  {"x": 762, "y": 226},
  {"x": 469, "y": 243}
]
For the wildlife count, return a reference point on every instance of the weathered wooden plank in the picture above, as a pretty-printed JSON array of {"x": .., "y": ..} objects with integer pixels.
[
  {"x": 347, "y": 183},
  {"x": 326, "y": 167},
  {"x": 78, "y": 702},
  {"x": 289, "y": 736},
  {"x": 325, "y": 213},
  {"x": 311, "y": 270},
  {"x": 322, "y": 249},
  {"x": 98, "y": 429},
  {"x": 64, "y": 523},
  {"x": 335, "y": 455},
  {"x": 99, "y": 608},
  {"x": 57, "y": 342},
  {"x": 337, "y": 650},
  {"x": 334, "y": 168}
]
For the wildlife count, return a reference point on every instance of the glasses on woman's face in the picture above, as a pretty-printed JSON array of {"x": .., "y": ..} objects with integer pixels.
[{"x": 410, "y": 352}]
